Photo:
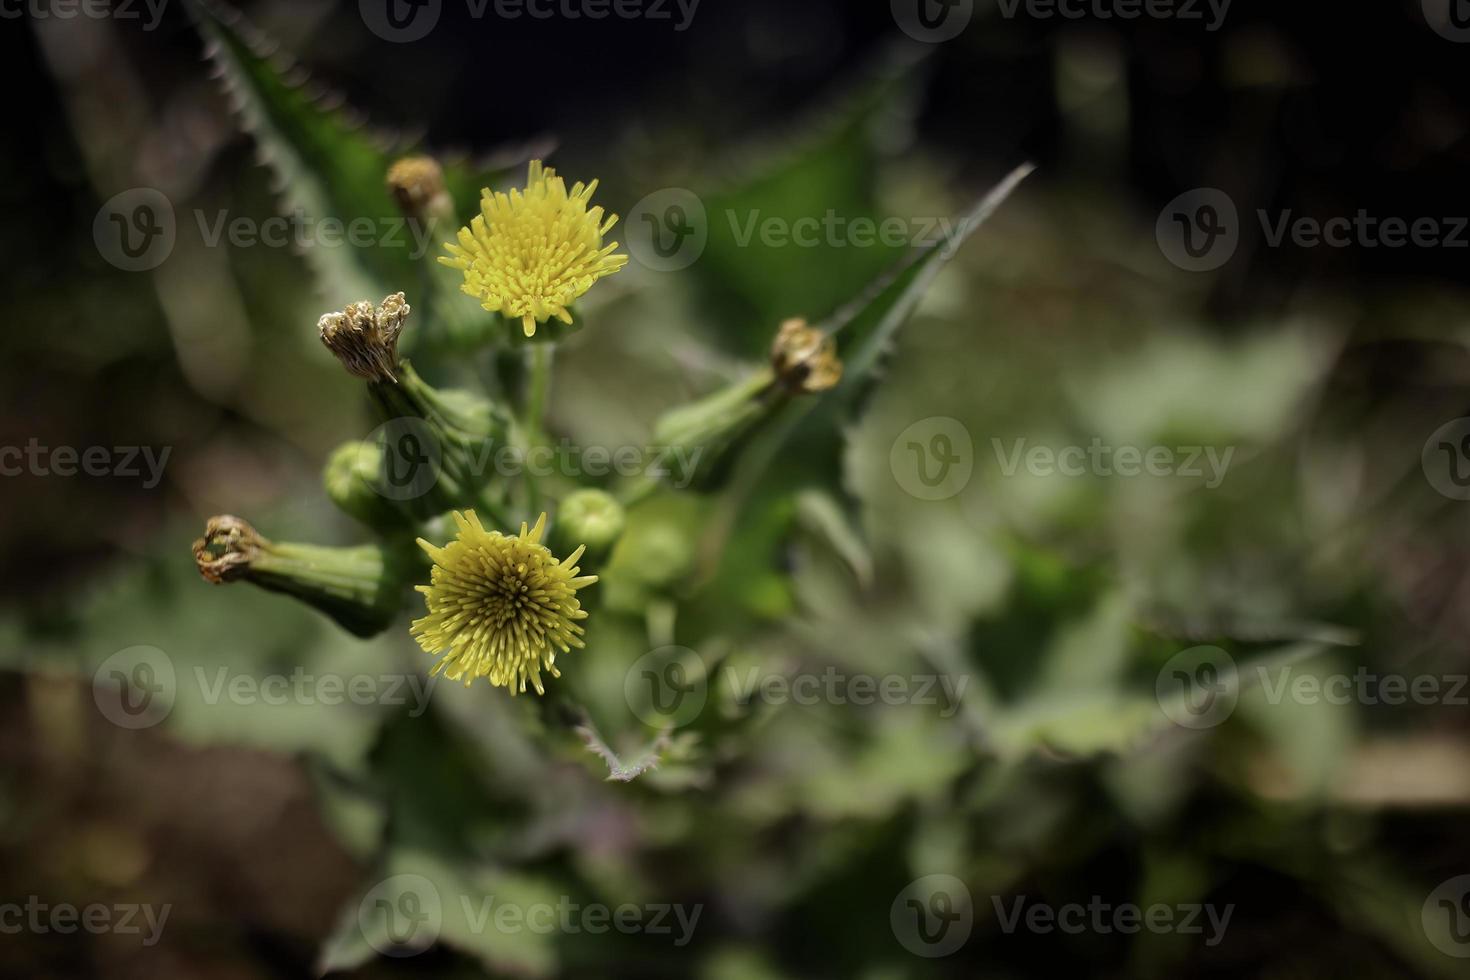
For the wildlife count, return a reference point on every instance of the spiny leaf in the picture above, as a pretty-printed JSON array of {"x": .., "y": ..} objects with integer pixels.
[{"x": 327, "y": 162}]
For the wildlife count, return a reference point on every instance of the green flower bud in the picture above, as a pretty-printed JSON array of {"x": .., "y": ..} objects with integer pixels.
[
  {"x": 362, "y": 588},
  {"x": 351, "y": 478},
  {"x": 453, "y": 433},
  {"x": 589, "y": 517},
  {"x": 434, "y": 445},
  {"x": 803, "y": 362},
  {"x": 706, "y": 430}
]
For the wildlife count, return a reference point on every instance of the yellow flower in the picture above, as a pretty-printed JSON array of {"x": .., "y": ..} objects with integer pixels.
[
  {"x": 530, "y": 254},
  {"x": 500, "y": 606}
]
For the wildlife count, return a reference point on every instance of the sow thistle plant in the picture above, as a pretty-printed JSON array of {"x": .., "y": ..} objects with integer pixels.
[{"x": 499, "y": 603}]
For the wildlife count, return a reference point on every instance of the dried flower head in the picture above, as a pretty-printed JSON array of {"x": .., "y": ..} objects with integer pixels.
[
  {"x": 417, "y": 185},
  {"x": 804, "y": 358},
  {"x": 228, "y": 547},
  {"x": 529, "y": 255},
  {"x": 500, "y": 606},
  {"x": 365, "y": 339}
]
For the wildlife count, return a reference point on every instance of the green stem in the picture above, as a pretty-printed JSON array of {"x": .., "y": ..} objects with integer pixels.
[
  {"x": 539, "y": 393},
  {"x": 537, "y": 397}
]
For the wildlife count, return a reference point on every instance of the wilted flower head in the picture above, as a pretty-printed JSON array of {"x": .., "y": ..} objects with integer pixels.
[
  {"x": 365, "y": 339},
  {"x": 500, "y": 606},
  {"x": 804, "y": 358},
  {"x": 530, "y": 254}
]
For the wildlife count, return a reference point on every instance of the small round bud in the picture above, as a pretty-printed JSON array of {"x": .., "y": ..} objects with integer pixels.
[
  {"x": 591, "y": 517},
  {"x": 417, "y": 186},
  {"x": 351, "y": 480}
]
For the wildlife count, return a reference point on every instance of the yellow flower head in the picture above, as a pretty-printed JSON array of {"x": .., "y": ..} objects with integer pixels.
[
  {"x": 531, "y": 254},
  {"x": 500, "y": 605}
]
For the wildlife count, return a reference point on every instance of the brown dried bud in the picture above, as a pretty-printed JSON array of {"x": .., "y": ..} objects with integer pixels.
[
  {"x": 365, "y": 339},
  {"x": 227, "y": 549},
  {"x": 805, "y": 359},
  {"x": 417, "y": 185}
]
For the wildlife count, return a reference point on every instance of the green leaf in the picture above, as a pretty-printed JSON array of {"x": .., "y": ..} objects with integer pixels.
[
  {"x": 327, "y": 163},
  {"x": 755, "y": 283},
  {"x": 865, "y": 327}
]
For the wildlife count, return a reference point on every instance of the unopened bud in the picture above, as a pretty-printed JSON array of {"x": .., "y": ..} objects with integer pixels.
[
  {"x": 589, "y": 517},
  {"x": 362, "y": 588},
  {"x": 417, "y": 186}
]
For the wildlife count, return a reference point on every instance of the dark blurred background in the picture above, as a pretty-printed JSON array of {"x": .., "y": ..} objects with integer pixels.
[{"x": 1316, "y": 108}]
